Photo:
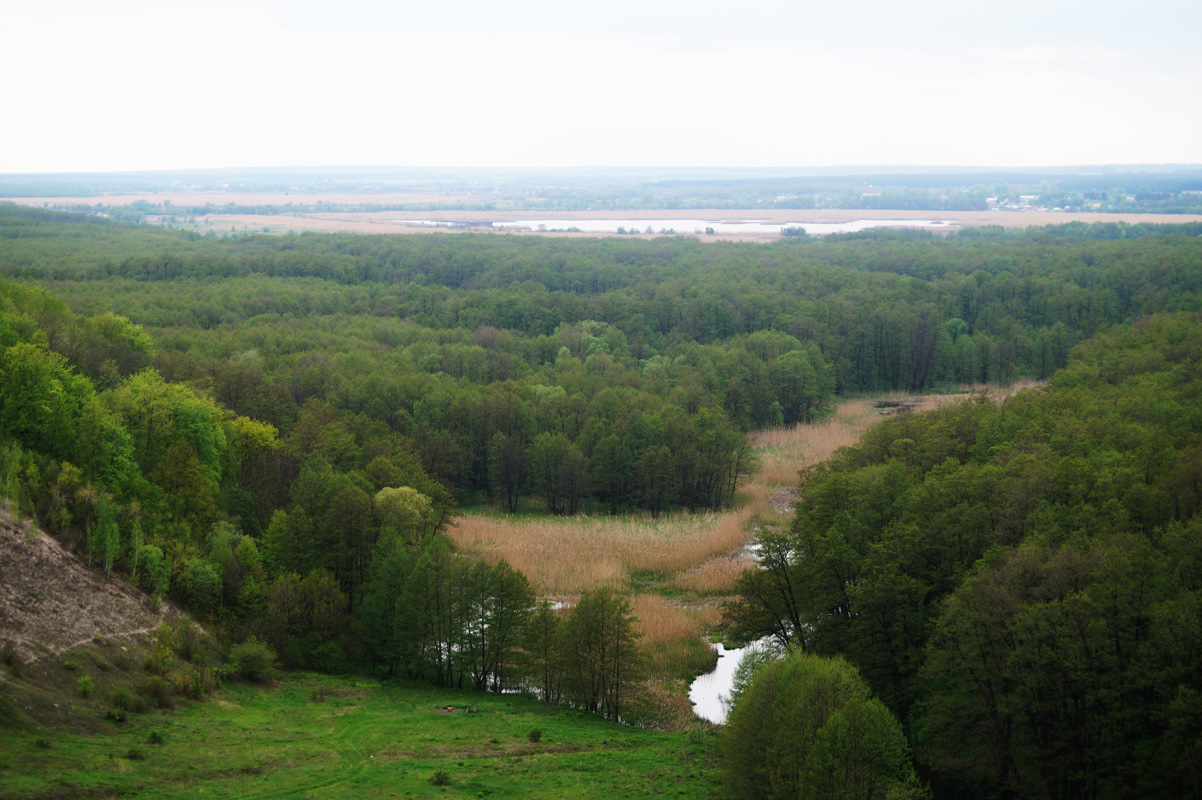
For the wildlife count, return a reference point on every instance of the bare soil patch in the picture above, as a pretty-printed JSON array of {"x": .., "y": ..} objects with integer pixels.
[{"x": 50, "y": 601}]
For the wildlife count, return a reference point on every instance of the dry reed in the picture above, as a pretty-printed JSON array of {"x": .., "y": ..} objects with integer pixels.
[
  {"x": 663, "y": 620},
  {"x": 699, "y": 552},
  {"x": 564, "y": 556},
  {"x": 716, "y": 576}
]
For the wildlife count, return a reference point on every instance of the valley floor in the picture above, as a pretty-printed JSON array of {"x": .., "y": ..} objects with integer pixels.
[{"x": 326, "y": 737}]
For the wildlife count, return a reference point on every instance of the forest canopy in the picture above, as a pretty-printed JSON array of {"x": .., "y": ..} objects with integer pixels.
[
  {"x": 1020, "y": 583},
  {"x": 275, "y": 431}
]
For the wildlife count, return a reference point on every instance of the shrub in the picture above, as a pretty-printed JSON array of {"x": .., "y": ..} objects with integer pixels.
[
  {"x": 115, "y": 715},
  {"x": 15, "y": 665},
  {"x": 157, "y": 663},
  {"x": 534, "y": 735},
  {"x": 121, "y": 698},
  {"x": 155, "y": 737},
  {"x": 189, "y": 643},
  {"x": 201, "y": 684},
  {"x": 134, "y": 754},
  {"x": 71, "y": 666},
  {"x": 254, "y": 660},
  {"x": 441, "y": 778},
  {"x": 84, "y": 686},
  {"x": 159, "y": 691}
]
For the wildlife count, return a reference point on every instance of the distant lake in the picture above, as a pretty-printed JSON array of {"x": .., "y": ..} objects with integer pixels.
[
  {"x": 698, "y": 226},
  {"x": 683, "y": 226}
]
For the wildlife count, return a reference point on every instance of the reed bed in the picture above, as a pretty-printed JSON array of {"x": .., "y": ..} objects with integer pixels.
[
  {"x": 785, "y": 451},
  {"x": 663, "y": 620},
  {"x": 568, "y": 556},
  {"x": 715, "y": 576},
  {"x": 692, "y": 552}
]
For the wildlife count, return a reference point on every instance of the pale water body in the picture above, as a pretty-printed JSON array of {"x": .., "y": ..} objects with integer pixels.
[
  {"x": 691, "y": 226},
  {"x": 709, "y": 692},
  {"x": 698, "y": 226}
]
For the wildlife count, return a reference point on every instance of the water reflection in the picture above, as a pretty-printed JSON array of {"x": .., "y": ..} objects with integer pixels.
[
  {"x": 701, "y": 226},
  {"x": 709, "y": 692}
]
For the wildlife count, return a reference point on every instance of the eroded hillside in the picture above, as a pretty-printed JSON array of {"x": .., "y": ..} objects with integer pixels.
[{"x": 50, "y": 601}]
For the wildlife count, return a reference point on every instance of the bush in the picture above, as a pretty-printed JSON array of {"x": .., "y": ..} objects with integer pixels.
[
  {"x": 254, "y": 660},
  {"x": 441, "y": 778},
  {"x": 807, "y": 726},
  {"x": 159, "y": 691},
  {"x": 534, "y": 735},
  {"x": 155, "y": 737},
  {"x": 121, "y": 698},
  {"x": 157, "y": 663},
  {"x": 189, "y": 643},
  {"x": 134, "y": 754},
  {"x": 84, "y": 686},
  {"x": 115, "y": 715},
  {"x": 201, "y": 684}
]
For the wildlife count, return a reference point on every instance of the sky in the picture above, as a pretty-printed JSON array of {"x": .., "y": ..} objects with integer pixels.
[{"x": 151, "y": 85}]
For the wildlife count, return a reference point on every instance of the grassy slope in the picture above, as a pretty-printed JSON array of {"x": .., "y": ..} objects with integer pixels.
[{"x": 323, "y": 737}]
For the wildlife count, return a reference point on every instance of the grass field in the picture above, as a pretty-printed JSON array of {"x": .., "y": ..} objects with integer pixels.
[{"x": 316, "y": 736}]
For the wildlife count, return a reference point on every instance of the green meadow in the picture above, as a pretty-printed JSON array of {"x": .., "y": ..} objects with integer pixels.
[{"x": 317, "y": 736}]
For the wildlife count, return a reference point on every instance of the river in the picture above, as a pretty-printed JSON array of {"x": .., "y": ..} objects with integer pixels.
[{"x": 710, "y": 691}]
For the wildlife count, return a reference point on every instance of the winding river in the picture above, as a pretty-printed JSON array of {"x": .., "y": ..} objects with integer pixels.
[{"x": 710, "y": 691}]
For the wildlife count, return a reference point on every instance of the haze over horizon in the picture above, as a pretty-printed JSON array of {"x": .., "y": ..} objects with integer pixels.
[{"x": 136, "y": 85}]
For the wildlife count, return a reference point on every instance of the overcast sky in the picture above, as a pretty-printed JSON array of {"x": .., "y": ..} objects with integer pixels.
[{"x": 122, "y": 85}]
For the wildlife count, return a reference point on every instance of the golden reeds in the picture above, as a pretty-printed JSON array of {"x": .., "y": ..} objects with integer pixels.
[
  {"x": 663, "y": 620},
  {"x": 715, "y": 576},
  {"x": 694, "y": 552},
  {"x": 566, "y": 556}
]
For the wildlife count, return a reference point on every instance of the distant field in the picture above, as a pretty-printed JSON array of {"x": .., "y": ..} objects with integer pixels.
[
  {"x": 326, "y": 737},
  {"x": 408, "y": 222}
]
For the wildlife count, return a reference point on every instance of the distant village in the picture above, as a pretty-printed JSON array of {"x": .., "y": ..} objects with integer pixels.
[{"x": 1024, "y": 202}]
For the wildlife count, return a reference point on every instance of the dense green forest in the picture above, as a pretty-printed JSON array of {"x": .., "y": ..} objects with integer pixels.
[
  {"x": 274, "y": 431},
  {"x": 1021, "y": 584}
]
